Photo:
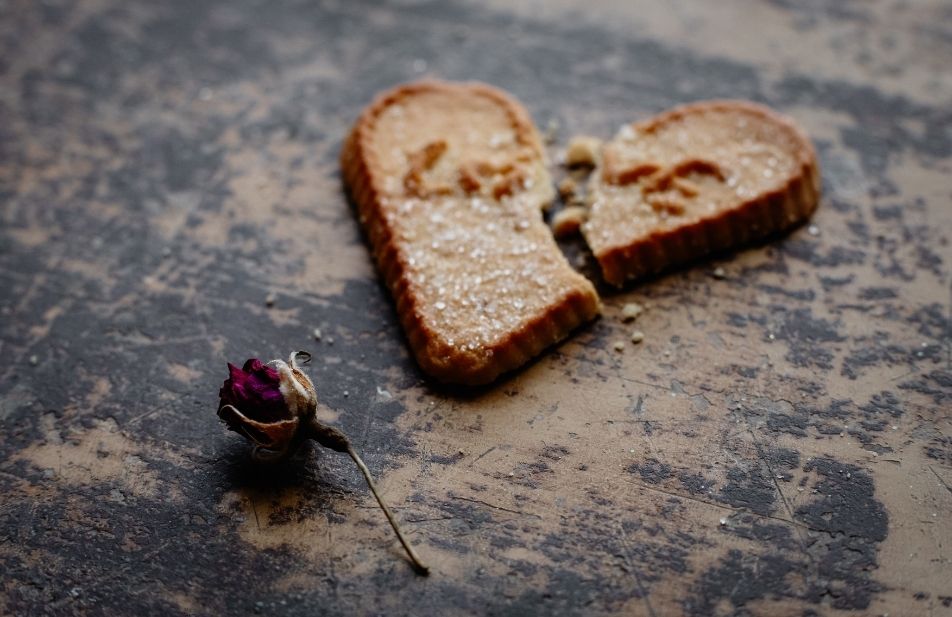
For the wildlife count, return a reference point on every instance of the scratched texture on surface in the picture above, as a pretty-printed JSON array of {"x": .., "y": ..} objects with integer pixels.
[{"x": 780, "y": 443}]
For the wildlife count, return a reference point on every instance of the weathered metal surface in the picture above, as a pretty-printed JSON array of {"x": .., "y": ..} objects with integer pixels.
[{"x": 780, "y": 443}]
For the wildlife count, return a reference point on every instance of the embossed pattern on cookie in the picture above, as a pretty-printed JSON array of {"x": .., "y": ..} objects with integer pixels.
[
  {"x": 699, "y": 178},
  {"x": 449, "y": 180}
]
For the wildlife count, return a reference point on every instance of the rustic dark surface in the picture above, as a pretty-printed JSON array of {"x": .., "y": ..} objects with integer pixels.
[{"x": 780, "y": 443}]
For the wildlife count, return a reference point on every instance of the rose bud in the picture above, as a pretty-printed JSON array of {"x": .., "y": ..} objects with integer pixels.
[
  {"x": 273, "y": 405},
  {"x": 253, "y": 404}
]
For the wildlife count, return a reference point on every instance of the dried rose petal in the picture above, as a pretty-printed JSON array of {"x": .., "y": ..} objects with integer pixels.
[{"x": 255, "y": 389}]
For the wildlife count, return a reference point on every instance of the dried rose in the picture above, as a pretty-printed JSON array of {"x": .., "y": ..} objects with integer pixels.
[
  {"x": 273, "y": 405},
  {"x": 268, "y": 404},
  {"x": 252, "y": 404}
]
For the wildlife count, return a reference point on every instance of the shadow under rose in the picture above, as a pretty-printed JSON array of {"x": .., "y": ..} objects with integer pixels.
[{"x": 309, "y": 483}]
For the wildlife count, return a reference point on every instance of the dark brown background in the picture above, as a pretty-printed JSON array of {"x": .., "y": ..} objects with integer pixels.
[{"x": 780, "y": 443}]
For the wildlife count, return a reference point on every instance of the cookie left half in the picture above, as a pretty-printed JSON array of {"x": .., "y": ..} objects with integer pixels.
[{"x": 449, "y": 181}]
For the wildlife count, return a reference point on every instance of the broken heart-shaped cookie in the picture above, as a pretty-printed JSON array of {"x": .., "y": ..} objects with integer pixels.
[{"x": 696, "y": 179}]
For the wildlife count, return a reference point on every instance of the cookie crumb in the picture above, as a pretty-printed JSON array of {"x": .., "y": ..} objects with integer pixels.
[
  {"x": 568, "y": 188},
  {"x": 631, "y": 311},
  {"x": 619, "y": 346},
  {"x": 567, "y": 221},
  {"x": 551, "y": 131},
  {"x": 719, "y": 273},
  {"x": 582, "y": 151},
  {"x": 637, "y": 336}
]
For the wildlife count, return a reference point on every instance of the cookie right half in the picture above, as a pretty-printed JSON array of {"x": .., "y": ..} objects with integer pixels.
[{"x": 699, "y": 178}]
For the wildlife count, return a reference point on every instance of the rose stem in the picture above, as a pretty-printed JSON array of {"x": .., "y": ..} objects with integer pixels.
[{"x": 417, "y": 563}]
